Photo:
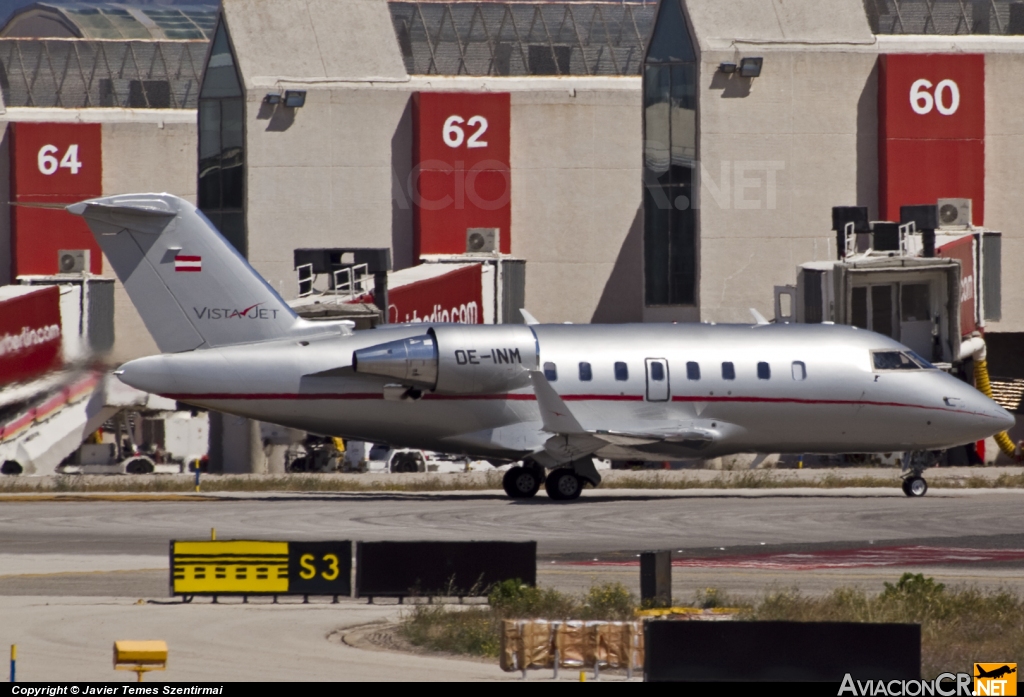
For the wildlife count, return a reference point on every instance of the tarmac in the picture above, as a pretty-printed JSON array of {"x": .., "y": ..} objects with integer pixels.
[{"x": 73, "y": 567}]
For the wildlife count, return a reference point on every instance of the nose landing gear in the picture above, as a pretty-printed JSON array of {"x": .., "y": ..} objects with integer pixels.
[
  {"x": 915, "y": 486},
  {"x": 914, "y": 463}
]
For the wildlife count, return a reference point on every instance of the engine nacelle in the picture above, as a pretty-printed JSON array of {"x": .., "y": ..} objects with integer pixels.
[
  {"x": 456, "y": 359},
  {"x": 411, "y": 361},
  {"x": 484, "y": 359}
]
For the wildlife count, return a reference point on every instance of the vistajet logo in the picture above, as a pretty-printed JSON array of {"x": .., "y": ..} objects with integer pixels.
[{"x": 251, "y": 312}]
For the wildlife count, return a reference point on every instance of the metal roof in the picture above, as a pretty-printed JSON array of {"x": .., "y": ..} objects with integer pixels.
[
  {"x": 113, "y": 21},
  {"x": 522, "y": 38},
  {"x": 947, "y": 17},
  {"x": 77, "y": 73}
]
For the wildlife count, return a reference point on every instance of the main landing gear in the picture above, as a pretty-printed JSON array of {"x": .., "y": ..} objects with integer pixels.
[
  {"x": 523, "y": 482},
  {"x": 914, "y": 463}
]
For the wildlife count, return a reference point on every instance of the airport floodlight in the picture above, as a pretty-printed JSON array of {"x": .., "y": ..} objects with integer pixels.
[
  {"x": 751, "y": 67},
  {"x": 727, "y": 68},
  {"x": 272, "y": 98},
  {"x": 293, "y": 99}
]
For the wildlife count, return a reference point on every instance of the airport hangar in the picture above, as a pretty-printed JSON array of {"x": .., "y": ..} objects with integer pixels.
[{"x": 626, "y": 151}]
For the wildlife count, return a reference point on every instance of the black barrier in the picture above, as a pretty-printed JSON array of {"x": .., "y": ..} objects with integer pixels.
[
  {"x": 402, "y": 569},
  {"x": 260, "y": 567},
  {"x": 676, "y": 651},
  {"x": 656, "y": 579}
]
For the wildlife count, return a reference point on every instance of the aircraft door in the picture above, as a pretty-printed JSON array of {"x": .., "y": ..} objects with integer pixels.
[{"x": 657, "y": 380}]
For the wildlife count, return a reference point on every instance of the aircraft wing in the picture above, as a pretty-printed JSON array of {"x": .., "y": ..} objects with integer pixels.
[{"x": 570, "y": 441}]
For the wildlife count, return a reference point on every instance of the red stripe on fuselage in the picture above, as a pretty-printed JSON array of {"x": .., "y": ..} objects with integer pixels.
[{"x": 346, "y": 396}]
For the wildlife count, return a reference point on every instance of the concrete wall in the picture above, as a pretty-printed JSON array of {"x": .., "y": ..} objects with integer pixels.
[
  {"x": 321, "y": 176},
  {"x": 777, "y": 152},
  {"x": 335, "y": 174},
  {"x": 1004, "y": 166},
  {"x": 576, "y": 200}
]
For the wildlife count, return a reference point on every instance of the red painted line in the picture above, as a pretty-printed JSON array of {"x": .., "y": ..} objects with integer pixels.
[
  {"x": 842, "y": 559},
  {"x": 797, "y": 400},
  {"x": 210, "y": 396}
]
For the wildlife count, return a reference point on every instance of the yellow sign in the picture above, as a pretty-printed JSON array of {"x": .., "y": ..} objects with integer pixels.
[
  {"x": 254, "y": 567},
  {"x": 244, "y": 566},
  {"x": 995, "y": 679}
]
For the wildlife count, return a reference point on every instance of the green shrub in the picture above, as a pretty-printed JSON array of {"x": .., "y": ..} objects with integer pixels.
[
  {"x": 609, "y": 601},
  {"x": 473, "y": 630}
]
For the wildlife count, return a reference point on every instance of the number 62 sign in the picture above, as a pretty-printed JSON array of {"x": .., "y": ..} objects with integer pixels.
[{"x": 467, "y": 128}]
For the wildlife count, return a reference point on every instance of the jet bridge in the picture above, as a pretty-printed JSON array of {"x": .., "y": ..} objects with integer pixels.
[{"x": 926, "y": 284}]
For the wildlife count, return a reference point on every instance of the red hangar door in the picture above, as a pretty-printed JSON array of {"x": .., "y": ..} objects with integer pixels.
[
  {"x": 52, "y": 165},
  {"x": 931, "y": 121},
  {"x": 461, "y": 175}
]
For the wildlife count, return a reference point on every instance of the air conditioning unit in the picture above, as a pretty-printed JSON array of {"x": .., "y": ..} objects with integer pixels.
[
  {"x": 482, "y": 240},
  {"x": 954, "y": 213},
  {"x": 73, "y": 261}
]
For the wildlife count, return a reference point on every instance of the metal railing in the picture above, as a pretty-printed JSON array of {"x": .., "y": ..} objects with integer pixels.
[
  {"x": 523, "y": 38},
  {"x": 945, "y": 17},
  {"x": 78, "y": 73}
]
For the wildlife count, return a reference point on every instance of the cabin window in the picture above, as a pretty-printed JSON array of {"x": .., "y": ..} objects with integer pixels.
[
  {"x": 586, "y": 374},
  {"x": 692, "y": 370},
  {"x": 764, "y": 371},
  {"x": 799, "y": 370},
  {"x": 728, "y": 371},
  {"x": 550, "y": 372},
  {"x": 898, "y": 360},
  {"x": 621, "y": 371}
]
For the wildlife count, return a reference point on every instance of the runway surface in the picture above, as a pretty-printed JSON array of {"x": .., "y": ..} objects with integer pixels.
[
  {"x": 600, "y": 522},
  {"x": 72, "y": 569},
  {"x": 741, "y": 541}
]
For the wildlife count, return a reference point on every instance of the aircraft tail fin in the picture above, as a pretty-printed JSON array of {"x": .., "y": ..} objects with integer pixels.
[{"x": 192, "y": 288}]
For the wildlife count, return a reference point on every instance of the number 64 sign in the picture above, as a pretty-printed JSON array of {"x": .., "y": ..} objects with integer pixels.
[{"x": 47, "y": 161}]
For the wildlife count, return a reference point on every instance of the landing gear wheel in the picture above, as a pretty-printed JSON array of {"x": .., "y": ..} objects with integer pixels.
[
  {"x": 521, "y": 482},
  {"x": 915, "y": 487},
  {"x": 139, "y": 465},
  {"x": 563, "y": 485}
]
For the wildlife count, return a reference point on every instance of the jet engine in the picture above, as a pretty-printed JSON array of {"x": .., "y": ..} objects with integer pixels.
[{"x": 456, "y": 359}]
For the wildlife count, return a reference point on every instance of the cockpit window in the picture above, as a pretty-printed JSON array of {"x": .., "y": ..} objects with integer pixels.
[
  {"x": 920, "y": 361},
  {"x": 898, "y": 360}
]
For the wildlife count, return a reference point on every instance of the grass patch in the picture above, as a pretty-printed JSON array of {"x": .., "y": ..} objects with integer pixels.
[
  {"x": 751, "y": 479},
  {"x": 959, "y": 626},
  {"x": 229, "y": 483},
  {"x": 475, "y": 481},
  {"x": 781, "y": 479},
  {"x": 477, "y": 630}
]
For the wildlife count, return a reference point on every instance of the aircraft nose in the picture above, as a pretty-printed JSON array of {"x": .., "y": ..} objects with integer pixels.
[
  {"x": 991, "y": 417},
  {"x": 1006, "y": 419}
]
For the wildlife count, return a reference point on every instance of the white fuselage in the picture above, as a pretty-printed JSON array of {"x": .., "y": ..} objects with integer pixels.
[{"x": 821, "y": 392}]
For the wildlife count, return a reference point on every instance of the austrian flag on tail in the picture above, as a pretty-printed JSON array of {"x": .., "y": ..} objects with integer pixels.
[{"x": 188, "y": 263}]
